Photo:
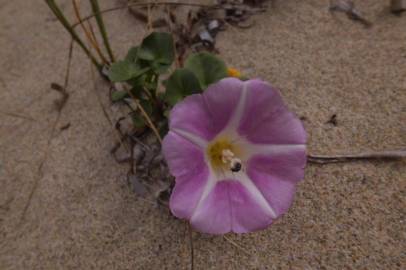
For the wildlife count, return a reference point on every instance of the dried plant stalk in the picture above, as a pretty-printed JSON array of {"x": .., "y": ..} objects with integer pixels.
[
  {"x": 384, "y": 155},
  {"x": 62, "y": 19},
  {"x": 91, "y": 38}
]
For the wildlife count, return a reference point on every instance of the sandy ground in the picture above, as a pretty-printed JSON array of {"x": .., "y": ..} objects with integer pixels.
[{"x": 64, "y": 202}]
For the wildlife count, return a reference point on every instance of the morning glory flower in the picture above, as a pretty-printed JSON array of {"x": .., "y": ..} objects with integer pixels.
[{"x": 237, "y": 153}]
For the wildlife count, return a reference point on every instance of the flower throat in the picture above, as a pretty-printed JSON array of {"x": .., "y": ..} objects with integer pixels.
[{"x": 223, "y": 155}]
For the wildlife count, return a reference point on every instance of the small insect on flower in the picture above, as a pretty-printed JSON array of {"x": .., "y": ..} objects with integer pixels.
[
  {"x": 235, "y": 165},
  {"x": 237, "y": 153},
  {"x": 228, "y": 157}
]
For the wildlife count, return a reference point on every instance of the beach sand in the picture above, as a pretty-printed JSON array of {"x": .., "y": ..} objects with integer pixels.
[{"x": 65, "y": 203}]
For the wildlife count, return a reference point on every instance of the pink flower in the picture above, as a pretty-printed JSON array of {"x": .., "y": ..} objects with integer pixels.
[{"x": 237, "y": 153}]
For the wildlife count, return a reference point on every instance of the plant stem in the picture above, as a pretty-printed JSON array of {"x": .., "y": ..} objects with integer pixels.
[
  {"x": 147, "y": 118},
  {"x": 102, "y": 28},
  {"x": 145, "y": 115},
  {"x": 59, "y": 15}
]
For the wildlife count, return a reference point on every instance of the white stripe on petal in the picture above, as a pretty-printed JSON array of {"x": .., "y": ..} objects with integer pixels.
[
  {"x": 211, "y": 183},
  {"x": 256, "y": 194},
  {"x": 244, "y": 180},
  {"x": 252, "y": 149},
  {"x": 191, "y": 137},
  {"x": 235, "y": 119}
]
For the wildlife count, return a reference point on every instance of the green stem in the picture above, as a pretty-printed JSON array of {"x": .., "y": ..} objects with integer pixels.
[
  {"x": 102, "y": 28},
  {"x": 62, "y": 19}
]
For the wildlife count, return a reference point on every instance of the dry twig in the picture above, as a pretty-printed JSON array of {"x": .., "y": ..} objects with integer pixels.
[
  {"x": 236, "y": 245},
  {"x": 191, "y": 247},
  {"x": 90, "y": 36},
  {"x": 146, "y": 116},
  {"x": 383, "y": 155},
  {"x": 348, "y": 7},
  {"x": 18, "y": 115},
  {"x": 140, "y": 5},
  {"x": 39, "y": 174}
]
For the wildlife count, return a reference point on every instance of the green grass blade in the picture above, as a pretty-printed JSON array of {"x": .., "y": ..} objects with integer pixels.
[
  {"x": 102, "y": 28},
  {"x": 62, "y": 19}
]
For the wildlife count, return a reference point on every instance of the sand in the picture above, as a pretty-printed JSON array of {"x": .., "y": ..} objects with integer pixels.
[{"x": 64, "y": 201}]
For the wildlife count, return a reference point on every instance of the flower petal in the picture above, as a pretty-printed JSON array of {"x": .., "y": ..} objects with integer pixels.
[
  {"x": 276, "y": 175},
  {"x": 288, "y": 165},
  {"x": 247, "y": 214},
  {"x": 185, "y": 160},
  {"x": 266, "y": 118},
  {"x": 207, "y": 114},
  {"x": 230, "y": 206},
  {"x": 188, "y": 165},
  {"x": 214, "y": 213},
  {"x": 222, "y": 100},
  {"x": 279, "y": 193},
  {"x": 187, "y": 193},
  {"x": 272, "y": 148}
]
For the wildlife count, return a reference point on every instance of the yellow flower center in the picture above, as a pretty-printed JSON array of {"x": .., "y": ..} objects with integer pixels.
[
  {"x": 223, "y": 155},
  {"x": 232, "y": 72}
]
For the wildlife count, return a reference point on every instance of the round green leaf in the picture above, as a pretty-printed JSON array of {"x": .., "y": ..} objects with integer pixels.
[
  {"x": 158, "y": 47},
  {"x": 125, "y": 70},
  {"x": 207, "y": 67},
  {"x": 132, "y": 54},
  {"x": 180, "y": 84},
  {"x": 118, "y": 95}
]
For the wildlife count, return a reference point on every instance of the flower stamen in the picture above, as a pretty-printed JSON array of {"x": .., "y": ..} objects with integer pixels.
[
  {"x": 227, "y": 155},
  {"x": 229, "y": 158},
  {"x": 223, "y": 156}
]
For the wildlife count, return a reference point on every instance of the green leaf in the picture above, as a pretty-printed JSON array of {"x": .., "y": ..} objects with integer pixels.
[
  {"x": 125, "y": 70},
  {"x": 158, "y": 47},
  {"x": 180, "y": 84},
  {"x": 151, "y": 82},
  {"x": 138, "y": 82},
  {"x": 118, "y": 95},
  {"x": 160, "y": 68},
  {"x": 167, "y": 113},
  {"x": 138, "y": 120},
  {"x": 122, "y": 71},
  {"x": 102, "y": 28},
  {"x": 132, "y": 54},
  {"x": 163, "y": 128},
  {"x": 147, "y": 106},
  {"x": 207, "y": 67},
  {"x": 137, "y": 117}
]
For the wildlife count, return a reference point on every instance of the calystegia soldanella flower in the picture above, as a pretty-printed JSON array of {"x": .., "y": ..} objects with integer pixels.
[{"x": 237, "y": 153}]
